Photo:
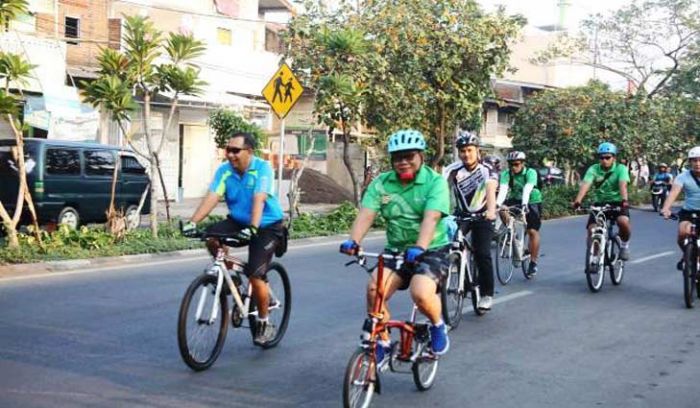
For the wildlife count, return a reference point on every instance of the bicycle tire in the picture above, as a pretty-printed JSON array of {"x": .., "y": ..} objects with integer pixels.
[
  {"x": 451, "y": 298},
  {"x": 525, "y": 264},
  {"x": 474, "y": 285},
  {"x": 208, "y": 282},
  {"x": 424, "y": 372},
  {"x": 689, "y": 275},
  {"x": 594, "y": 278},
  {"x": 616, "y": 265},
  {"x": 358, "y": 378},
  {"x": 504, "y": 255},
  {"x": 279, "y": 319}
]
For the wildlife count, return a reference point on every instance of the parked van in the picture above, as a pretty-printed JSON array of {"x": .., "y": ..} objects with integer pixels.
[{"x": 71, "y": 182}]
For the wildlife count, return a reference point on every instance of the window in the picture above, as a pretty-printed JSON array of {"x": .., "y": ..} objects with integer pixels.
[
  {"x": 505, "y": 117},
  {"x": 99, "y": 162},
  {"x": 72, "y": 28},
  {"x": 132, "y": 166},
  {"x": 223, "y": 36},
  {"x": 62, "y": 161}
]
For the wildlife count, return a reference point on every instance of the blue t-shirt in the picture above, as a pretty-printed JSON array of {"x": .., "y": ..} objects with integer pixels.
[
  {"x": 665, "y": 177},
  {"x": 690, "y": 189},
  {"x": 239, "y": 190}
]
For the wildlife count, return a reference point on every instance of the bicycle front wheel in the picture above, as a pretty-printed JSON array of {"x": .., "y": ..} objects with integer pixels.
[
  {"x": 616, "y": 265},
  {"x": 280, "y": 304},
  {"x": 359, "y": 383},
  {"x": 690, "y": 275},
  {"x": 473, "y": 285},
  {"x": 504, "y": 258},
  {"x": 202, "y": 323},
  {"x": 450, "y": 295},
  {"x": 595, "y": 267}
]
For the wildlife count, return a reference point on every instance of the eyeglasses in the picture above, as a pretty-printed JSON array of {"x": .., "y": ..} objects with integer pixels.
[
  {"x": 513, "y": 164},
  {"x": 605, "y": 157},
  {"x": 235, "y": 150},
  {"x": 399, "y": 157}
]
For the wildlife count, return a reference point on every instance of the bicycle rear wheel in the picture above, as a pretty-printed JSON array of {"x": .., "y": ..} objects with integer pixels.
[
  {"x": 200, "y": 339},
  {"x": 503, "y": 258},
  {"x": 450, "y": 295},
  {"x": 280, "y": 293},
  {"x": 525, "y": 264},
  {"x": 595, "y": 271},
  {"x": 359, "y": 383},
  {"x": 616, "y": 265},
  {"x": 690, "y": 274},
  {"x": 424, "y": 372}
]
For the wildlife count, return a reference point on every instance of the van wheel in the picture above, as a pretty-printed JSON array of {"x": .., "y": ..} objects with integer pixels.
[
  {"x": 69, "y": 216},
  {"x": 133, "y": 218}
]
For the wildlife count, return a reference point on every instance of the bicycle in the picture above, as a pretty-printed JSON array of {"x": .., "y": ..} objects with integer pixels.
[
  {"x": 362, "y": 378},
  {"x": 603, "y": 249},
  {"x": 462, "y": 278},
  {"x": 691, "y": 250},
  {"x": 510, "y": 250},
  {"x": 204, "y": 306}
]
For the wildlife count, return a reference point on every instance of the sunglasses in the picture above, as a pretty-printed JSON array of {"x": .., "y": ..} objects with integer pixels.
[
  {"x": 399, "y": 157},
  {"x": 513, "y": 164},
  {"x": 605, "y": 157},
  {"x": 235, "y": 150}
]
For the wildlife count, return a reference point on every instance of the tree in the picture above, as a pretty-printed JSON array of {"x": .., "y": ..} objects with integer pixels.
[
  {"x": 151, "y": 66},
  {"x": 226, "y": 122},
  {"x": 643, "y": 42}
]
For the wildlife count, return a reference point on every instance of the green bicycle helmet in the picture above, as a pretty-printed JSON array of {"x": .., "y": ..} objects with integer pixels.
[{"x": 406, "y": 139}]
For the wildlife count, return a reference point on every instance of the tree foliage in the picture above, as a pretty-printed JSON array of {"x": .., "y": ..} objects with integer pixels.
[{"x": 226, "y": 122}]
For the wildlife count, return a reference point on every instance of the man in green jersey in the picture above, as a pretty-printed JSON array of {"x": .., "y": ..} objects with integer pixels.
[
  {"x": 609, "y": 180},
  {"x": 413, "y": 199},
  {"x": 518, "y": 186}
]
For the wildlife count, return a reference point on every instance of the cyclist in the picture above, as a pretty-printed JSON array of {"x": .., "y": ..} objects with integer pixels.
[
  {"x": 473, "y": 185},
  {"x": 518, "y": 186},
  {"x": 493, "y": 161},
  {"x": 413, "y": 199},
  {"x": 663, "y": 175},
  {"x": 689, "y": 183},
  {"x": 255, "y": 215},
  {"x": 609, "y": 180}
]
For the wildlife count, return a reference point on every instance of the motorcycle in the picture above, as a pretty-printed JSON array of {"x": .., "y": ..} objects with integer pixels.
[{"x": 659, "y": 191}]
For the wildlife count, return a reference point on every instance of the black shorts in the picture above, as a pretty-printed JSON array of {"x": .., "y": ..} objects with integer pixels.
[
  {"x": 533, "y": 218},
  {"x": 611, "y": 215},
  {"x": 261, "y": 247},
  {"x": 433, "y": 264},
  {"x": 687, "y": 215}
]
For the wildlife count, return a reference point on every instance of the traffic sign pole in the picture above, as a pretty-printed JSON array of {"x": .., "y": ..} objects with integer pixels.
[{"x": 280, "y": 166}]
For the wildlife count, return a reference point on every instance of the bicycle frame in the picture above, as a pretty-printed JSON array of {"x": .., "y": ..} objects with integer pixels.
[
  {"x": 516, "y": 215},
  {"x": 463, "y": 247}
]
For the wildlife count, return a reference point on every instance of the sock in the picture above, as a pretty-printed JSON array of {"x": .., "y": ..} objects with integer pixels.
[
  {"x": 384, "y": 343},
  {"x": 439, "y": 323},
  {"x": 624, "y": 244},
  {"x": 261, "y": 320}
]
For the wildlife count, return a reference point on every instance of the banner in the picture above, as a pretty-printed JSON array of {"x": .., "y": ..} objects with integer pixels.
[{"x": 230, "y": 8}]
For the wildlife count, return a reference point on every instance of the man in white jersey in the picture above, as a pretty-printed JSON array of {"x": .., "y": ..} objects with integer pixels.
[{"x": 689, "y": 183}]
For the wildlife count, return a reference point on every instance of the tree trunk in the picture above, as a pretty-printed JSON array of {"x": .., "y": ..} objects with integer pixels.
[
  {"x": 162, "y": 185},
  {"x": 153, "y": 216},
  {"x": 12, "y": 238},
  {"x": 348, "y": 164},
  {"x": 22, "y": 173}
]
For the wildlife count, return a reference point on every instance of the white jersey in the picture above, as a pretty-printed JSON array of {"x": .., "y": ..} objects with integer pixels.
[{"x": 469, "y": 187}]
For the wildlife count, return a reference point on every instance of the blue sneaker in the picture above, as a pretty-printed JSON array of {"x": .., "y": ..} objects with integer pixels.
[
  {"x": 381, "y": 352},
  {"x": 439, "y": 342}
]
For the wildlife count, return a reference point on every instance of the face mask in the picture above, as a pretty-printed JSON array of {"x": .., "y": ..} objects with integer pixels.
[{"x": 405, "y": 177}]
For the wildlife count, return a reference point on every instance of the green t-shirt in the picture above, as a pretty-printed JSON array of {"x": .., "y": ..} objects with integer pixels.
[
  {"x": 607, "y": 191},
  {"x": 403, "y": 206},
  {"x": 528, "y": 176}
]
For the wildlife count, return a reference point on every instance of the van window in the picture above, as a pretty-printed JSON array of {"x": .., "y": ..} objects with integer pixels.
[
  {"x": 98, "y": 162},
  {"x": 62, "y": 161},
  {"x": 7, "y": 160},
  {"x": 132, "y": 166}
]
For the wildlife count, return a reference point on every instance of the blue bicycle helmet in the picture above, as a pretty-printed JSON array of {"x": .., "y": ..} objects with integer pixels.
[
  {"x": 406, "y": 139},
  {"x": 607, "y": 147}
]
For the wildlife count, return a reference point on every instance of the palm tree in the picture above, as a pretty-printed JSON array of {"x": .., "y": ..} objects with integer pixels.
[{"x": 10, "y": 10}]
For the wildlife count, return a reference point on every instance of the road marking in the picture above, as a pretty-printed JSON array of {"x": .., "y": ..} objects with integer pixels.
[
  {"x": 650, "y": 257},
  {"x": 157, "y": 263},
  {"x": 511, "y": 296}
]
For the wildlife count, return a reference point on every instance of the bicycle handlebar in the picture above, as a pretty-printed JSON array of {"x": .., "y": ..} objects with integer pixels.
[{"x": 598, "y": 208}]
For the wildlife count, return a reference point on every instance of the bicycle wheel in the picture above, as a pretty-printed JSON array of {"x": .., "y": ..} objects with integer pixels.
[
  {"x": 616, "y": 265},
  {"x": 596, "y": 270},
  {"x": 424, "y": 372},
  {"x": 358, "y": 385},
  {"x": 200, "y": 340},
  {"x": 525, "y": 264},
  {"x": 689, "y": 275},
  {"x": 503, "y": 258},
  {"x": 473, "y": 284},
  {"x": 280, "y": 303},
  {"x": 451, "y": 297}
]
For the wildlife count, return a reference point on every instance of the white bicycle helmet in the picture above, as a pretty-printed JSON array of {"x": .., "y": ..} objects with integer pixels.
[
  {"x": 466, "y": 138},
  {"x": 515, "y": 155},
  {"x": 694, "y": 153}
]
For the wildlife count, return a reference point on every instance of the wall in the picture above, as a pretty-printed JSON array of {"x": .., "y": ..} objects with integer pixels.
[{"x": 336, "y": 167}]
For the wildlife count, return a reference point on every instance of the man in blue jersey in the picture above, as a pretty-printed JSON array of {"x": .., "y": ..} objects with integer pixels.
[{"x": 255, "y": 215}]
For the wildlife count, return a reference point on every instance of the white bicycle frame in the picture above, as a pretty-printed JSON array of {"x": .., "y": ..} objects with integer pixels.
[
  {"x": 464, "y": 267},
  {"x": 522, "y": 224}
]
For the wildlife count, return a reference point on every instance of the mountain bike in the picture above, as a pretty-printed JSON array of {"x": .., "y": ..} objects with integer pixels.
[
  {"x": 204, "y": 312},
  {"x": 511, "y": 246},
  {"x": 603, "y": 249},
  {"x": 691, "y": 265},
  {"x": 462, "y": 278},
  {"x": 412, "y": 349}
]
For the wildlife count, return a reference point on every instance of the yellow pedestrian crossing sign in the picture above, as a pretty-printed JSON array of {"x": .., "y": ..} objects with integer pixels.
[{"x": 283, "y": 91}]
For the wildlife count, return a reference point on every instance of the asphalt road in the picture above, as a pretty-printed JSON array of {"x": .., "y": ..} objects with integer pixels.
[{"x": 108, "y": 337}]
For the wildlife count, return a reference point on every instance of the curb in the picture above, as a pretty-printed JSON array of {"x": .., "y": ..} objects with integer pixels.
[{"x": 7, "y": 271}]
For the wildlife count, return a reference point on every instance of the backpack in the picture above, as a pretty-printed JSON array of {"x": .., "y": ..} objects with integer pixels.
[{"x": 538, "y": 185}]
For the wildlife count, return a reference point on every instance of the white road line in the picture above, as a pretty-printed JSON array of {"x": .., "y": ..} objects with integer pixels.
[
  {"x": 511, "y": 296},
  {"x": 650, "y": 257},
  {"x": 157, "y": 263}
]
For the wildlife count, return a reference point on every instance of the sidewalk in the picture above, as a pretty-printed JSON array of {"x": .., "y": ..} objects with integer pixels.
[{"x": 187, "y": 206}]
